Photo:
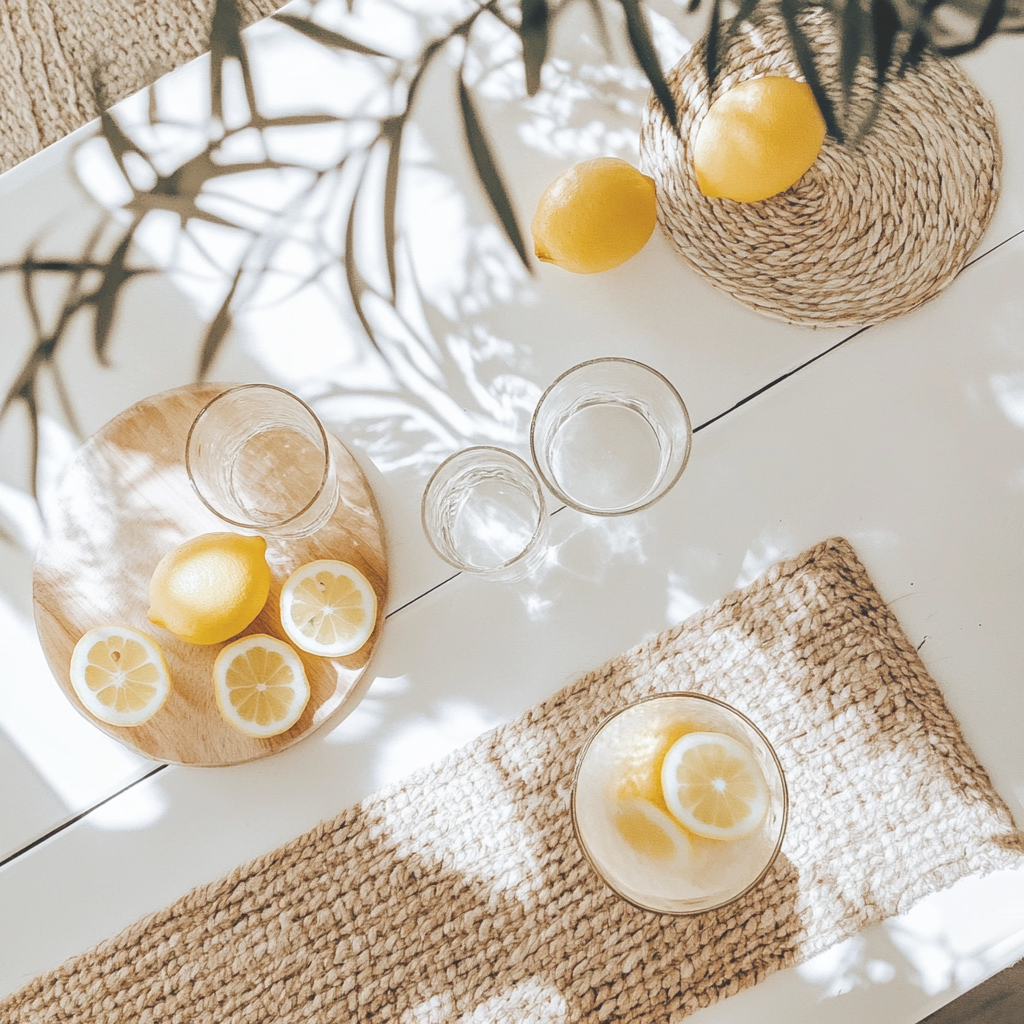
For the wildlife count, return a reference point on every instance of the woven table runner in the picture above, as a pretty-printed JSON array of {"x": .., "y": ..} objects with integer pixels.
[
  {"x": 49, "y": 50},
  {"x": 461, "y": 896}
]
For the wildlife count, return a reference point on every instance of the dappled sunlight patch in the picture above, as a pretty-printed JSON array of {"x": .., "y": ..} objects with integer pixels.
[
  {"x": 421, "y": 739},
  {"x": 367, "y": 717},
  {"x": 80, "y": 764},
  {"x": 680, "y": 604},
  {"x": 845, "y": 967}
]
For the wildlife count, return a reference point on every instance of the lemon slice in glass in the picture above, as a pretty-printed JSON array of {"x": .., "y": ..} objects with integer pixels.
[
  {"x": 260, "y": 685},
  {"x": 328, "y": 608},
  {"x": 713, "y": 786},
  {"x": 652, "y": 833},
  {"x": 120, "y": 675}
]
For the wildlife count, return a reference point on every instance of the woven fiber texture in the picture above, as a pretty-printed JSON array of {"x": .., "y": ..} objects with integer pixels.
[
  {"x": 868, "y": 233},
  {"x": 49, "y": 49},
  {"x": 461, "y": 895}
]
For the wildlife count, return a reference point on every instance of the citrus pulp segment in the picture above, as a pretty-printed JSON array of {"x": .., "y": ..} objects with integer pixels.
[
  {"x": 328, "y": 608},
  {"x": 260, "y": 685},
  {"x": 120, "y": 675},
  {"x": 713, "y": 786}
]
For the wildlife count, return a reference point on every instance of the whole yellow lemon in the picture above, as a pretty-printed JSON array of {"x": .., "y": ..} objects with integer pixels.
[
  {"x": 758, "y": 139},
  {"x": 211, "y": 587},
  {"x": 594, "y": 216}
]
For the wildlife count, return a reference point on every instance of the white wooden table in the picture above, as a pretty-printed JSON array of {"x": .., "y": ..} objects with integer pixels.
[{"x": 906, "y": 438}]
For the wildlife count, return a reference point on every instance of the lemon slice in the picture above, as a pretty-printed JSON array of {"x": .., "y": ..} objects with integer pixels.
[
  {"x": 260, "y": 684},
  {"x": 328, "y": 608},
  {"x": 651, "y": 832},
  {"x": 713, "y": 785},
  {"x": 120, "y": 675}
]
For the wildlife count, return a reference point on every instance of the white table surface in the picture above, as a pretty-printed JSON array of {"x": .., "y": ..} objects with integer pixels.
[{"x": 906, "y": 439}]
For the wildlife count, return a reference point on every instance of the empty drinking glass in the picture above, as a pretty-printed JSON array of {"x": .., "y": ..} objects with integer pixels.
[
  {"x": 259, "y": 458},
  {"x": 483, "y": 512},
  {"x": 610, "y": 436}
]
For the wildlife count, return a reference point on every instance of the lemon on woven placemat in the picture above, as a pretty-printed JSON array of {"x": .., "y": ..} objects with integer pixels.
[
  {"x": 713, "y": 786},
  {"x": 594, "y": 216},
  {"x": 758, "y": 139},
  {"x": 120, "y": 675},
  {"x": 328, "y": 608},
  {"x": 260, "y": 685},
  {"x": 211, "y": 587}
]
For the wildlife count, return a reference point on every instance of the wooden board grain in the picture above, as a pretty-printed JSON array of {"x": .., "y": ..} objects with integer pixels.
[{"x": 125, "y": 502}]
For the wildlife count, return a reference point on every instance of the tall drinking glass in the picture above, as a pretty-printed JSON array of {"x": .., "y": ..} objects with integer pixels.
[{"x": 259, "y": 458}]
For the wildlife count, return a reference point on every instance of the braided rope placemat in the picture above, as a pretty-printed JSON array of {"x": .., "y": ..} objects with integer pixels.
[
  {"x": 461, "y": 896},
  {"x": 867, "y": 233}
]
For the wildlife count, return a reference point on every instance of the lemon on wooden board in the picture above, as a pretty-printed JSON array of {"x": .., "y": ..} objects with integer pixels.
[
  {"x": 120, "y": 675},
  {"x": 594, "y": 216},
  {"x": 211, "y": 587},
  {"x": 713, "y": 786},
  {"x": 758, "y": 139},
  {"x": 328, "y": 608},
  {"x": 260, "y": 685}
]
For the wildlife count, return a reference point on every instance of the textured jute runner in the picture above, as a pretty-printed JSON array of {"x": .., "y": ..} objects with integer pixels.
[
  {"x": 461, "y": 895},
  {"x": 50, "y": 49}
]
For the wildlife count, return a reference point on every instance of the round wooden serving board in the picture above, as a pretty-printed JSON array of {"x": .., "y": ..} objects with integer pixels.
[{"x": 124, "y": 503}]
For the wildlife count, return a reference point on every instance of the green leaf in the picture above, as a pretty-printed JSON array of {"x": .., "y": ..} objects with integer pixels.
[
  {"x": 805, "y": 59},
  {"x": 487, "y": 172},
  {"x": 327, "y": 37},
  {"x": 533, "y": 31},
  {"x": 885, "y": 23},
  {"x": 851, "y": 46},
  {"x": 711, "y": 42},
  {"x": 647, "y": 57}
]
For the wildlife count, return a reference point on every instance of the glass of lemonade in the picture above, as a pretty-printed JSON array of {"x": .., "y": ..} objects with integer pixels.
[
  {"x": 610, "y": 436},
  {"x": 679, "y": 803},
  {"x": 260, "y": 459}
]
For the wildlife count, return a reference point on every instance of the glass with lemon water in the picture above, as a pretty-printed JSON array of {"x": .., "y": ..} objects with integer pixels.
[{"x": 679, "y": 803}]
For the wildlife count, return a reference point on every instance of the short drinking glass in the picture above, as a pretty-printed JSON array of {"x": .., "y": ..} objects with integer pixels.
[
  {"x": 610, "y": 436},
  {"x": 259, "y": 458},
  {"x": 483, "y": 512}
]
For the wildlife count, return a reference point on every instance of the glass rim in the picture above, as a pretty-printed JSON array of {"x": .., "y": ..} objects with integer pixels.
[
  {"x": 579, "y": 836},
  {"x": 665, "y": 488},
  {"x": 277, "y": 523},
  {"x": 533, "y": 537}
]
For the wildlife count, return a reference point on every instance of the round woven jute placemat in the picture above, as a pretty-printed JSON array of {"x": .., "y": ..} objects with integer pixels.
[{"x": 868, "y": 233}]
